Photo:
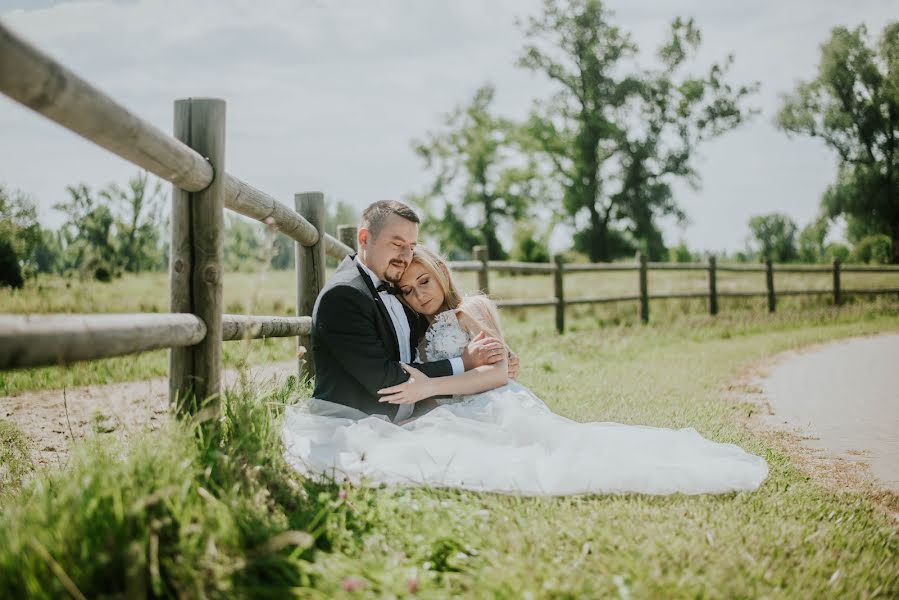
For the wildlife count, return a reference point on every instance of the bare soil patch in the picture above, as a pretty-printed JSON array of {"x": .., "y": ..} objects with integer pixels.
[{"x": 51, "y": 419}]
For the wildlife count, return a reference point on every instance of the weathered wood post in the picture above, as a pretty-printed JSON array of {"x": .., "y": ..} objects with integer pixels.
[
  {"x": 769, "y": 281},
  {"x": 310, "y": 269},
  {"x": 713, "y": 286},
  {"x": 197, "y": 256},
  {"x": 347, "y": 235},
  {"x": 558, "y": 279},
  {"x": 837, "y": 299},
  {"x": 644, "y": 288},
  {"x": 480, "y": 254}
]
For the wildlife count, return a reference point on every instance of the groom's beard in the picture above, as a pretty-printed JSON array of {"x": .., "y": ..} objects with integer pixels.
[{"x": 394, "y": 271}]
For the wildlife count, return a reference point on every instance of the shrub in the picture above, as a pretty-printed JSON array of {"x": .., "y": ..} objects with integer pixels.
[{"x": 873, "y": 249}]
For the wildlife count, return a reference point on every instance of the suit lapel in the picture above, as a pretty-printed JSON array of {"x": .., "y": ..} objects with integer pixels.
[{"x": 385, "y": 315}]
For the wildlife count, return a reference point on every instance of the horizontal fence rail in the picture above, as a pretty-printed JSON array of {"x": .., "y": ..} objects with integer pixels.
[
  {"x": 483, "y": 267},
  {"x": 242, "y": 327},
  {"x": 42, "y": 340},
  {"x": 46, "y": 340}
]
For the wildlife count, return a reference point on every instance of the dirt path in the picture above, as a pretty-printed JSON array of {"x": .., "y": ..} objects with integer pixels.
[
  {"x": 121, "y": 408},
  {"x": 845, "y": 397},
  {"x": 840, "y": 402}
]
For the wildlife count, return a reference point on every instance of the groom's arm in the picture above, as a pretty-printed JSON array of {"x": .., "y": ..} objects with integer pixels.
[{"x": 346, "y": 325}]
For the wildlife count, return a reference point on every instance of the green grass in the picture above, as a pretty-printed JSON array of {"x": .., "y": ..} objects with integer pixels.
[{"x": 205, "y": 512}]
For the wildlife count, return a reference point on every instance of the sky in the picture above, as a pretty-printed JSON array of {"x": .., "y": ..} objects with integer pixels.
[{"x": 329, "y": 95}]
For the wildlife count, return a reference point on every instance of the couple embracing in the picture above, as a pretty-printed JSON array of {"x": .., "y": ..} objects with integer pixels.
[{"x": 414, "y": 385}]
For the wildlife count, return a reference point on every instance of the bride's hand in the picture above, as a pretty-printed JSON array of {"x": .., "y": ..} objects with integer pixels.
[{"x": 416, "y": 388}]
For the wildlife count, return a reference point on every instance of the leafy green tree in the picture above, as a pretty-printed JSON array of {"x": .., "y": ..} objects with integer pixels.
[
  {"x": 811, "y": 241},
  {"x": 476, "y": 177},
  {"x": 89, "y": 244},
  {"x": 853, "y": 105},
  {"x": 774, "y": 237},
  {"x": 139, "y": 222},
  {"x": 529, "y": 244},
  {"x": 873, "y": 249},
  {"x": 23, "y": 237},
  {"x": 681, "y": 253},
  {"x": 244, "y": 241},
  {"x": 618, "y": 136}
]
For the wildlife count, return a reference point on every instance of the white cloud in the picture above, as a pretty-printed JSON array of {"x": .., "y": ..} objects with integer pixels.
[{"x": 328, "y": 96}]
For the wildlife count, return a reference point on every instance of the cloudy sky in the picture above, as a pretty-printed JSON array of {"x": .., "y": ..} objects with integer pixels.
[{"x": 327, "y": 95}]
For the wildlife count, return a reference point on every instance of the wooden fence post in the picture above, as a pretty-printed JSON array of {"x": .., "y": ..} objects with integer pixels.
[
  {"x": 644, "y": 289},
  {"x": 558, "y": 276},
  {"x": 837, "y": 299},
  {"x": 310, "y": 269},
  {"x": 769, "y": 281},
  {"x": 197, "y": 256},
  {"x": 347, "y": 235},
  {"x": 713, "y": 286},
  {"x": 480, "y": 253}
]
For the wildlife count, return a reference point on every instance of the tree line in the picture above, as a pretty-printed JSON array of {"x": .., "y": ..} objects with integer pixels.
[{"x": 124, "y": 229}]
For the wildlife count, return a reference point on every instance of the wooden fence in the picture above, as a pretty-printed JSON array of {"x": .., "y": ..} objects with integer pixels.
[
  {"x": 193, "y": 161},
  {"x": 483, "y": 266}
]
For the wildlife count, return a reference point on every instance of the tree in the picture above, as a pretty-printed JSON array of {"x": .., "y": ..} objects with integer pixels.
[
  {"x": 529, "y": 244},
  {"x": 618, "y": 136},
  {"x": 811, "y": 240},
  {"x": 139, "y": 210},
  {"x": 853, "y": 105},
  {"x": 681, "y": 254},
  {"x": 774, "y": 236},
  {"x": 22, "y": 235},
  {"x": 476, "y": 178},
  {"x": 872, "y": 249},
  {"x": 88, "y": 240}
]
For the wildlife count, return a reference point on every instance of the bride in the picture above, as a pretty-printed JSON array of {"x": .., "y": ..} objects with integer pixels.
[{"x": 488, "y": 433}]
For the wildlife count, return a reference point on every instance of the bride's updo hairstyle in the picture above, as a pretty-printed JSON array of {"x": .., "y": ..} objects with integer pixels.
[{"x": 478, "y": 306}]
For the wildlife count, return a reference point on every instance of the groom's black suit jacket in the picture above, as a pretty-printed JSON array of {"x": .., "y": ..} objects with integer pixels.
[{"x": 354, "y": 343}]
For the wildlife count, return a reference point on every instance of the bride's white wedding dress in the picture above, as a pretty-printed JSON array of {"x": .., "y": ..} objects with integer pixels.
[{"x": 507, "y": 440}]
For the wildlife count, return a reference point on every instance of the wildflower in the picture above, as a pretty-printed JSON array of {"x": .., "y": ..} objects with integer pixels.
[{"x": 352, "y": 584}]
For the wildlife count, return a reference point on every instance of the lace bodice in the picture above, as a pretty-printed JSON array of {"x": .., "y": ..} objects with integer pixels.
[{"x": 445, "y": 338}]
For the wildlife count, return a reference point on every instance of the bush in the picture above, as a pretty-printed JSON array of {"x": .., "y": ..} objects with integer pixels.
[
  {"x": 873, "y": 249},
  {"x": 10, "y": 269},
  {"x": 836, "y": 250},
  {"x": 681, "y": 254}
]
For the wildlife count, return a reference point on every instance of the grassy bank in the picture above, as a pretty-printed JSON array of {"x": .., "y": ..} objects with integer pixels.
[{"x": 176, "y": 512}]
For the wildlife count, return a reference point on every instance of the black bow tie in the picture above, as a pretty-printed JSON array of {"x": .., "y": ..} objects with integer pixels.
[{"x": 390, "y": 289}]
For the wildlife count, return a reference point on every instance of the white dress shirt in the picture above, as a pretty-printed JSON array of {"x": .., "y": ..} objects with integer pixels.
[{"x": 403, "y": 331}]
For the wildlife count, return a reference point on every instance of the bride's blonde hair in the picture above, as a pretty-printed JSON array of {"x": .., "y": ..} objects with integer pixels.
[{"x": 477, "y": 306}]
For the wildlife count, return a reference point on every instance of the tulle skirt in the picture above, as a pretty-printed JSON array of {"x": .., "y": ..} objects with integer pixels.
[{"x": 507, "y": 441}]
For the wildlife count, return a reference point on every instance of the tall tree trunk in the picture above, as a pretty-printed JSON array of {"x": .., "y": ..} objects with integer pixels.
[
  {"x": 599, "y": 237},
  {"x": 488, "y": 230},
  {"x": 895, "y": 257}
]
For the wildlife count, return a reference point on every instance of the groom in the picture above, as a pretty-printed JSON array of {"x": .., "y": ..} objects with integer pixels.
[{"x": 361, "y": 332}]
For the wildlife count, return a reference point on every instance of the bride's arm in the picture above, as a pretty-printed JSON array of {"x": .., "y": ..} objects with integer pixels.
[
  {"x": 420, "y": 386},
  {"x": 480, "y": 379}
]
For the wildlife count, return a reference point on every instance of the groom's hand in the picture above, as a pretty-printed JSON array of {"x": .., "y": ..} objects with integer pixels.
[
  {"x": 483, "y": 350},
  {"x": 514, "y": 363}
]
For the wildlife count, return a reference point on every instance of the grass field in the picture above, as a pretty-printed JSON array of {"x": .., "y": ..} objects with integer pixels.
[{"x": 215, "y": 512}]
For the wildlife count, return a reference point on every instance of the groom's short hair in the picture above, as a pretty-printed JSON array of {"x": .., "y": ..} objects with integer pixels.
[{"x": 374, "y": 217}]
